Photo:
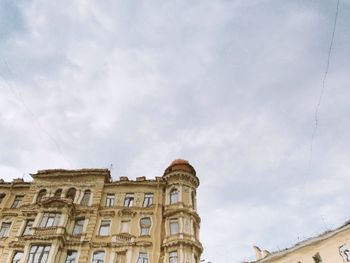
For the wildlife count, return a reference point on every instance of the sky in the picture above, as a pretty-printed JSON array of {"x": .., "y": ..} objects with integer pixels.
[{"x": 230, "y": 86}]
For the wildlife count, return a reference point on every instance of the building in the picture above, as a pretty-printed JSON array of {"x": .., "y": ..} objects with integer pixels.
[
  {"x": 66, "y": 216},
  {"x": 330, "y": 247}
]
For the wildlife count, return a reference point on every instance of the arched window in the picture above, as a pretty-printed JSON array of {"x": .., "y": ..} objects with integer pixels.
[
  {"x": 58, "y": 193},
  {"x": 41, "y": 194},
  {"x": 71, "y": 193},
  {"x": 145, "y": 225},
  {"x": 17, "y": 257},
  {"x": 86, "y": 198},
  {"x": 174, "y": 196},
  {"x": 98, "y": 257}
]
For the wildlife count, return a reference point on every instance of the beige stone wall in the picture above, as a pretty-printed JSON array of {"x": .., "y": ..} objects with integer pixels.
[
  {"x": 119, "y": 246},
  {"x": 332, "y": 247}
]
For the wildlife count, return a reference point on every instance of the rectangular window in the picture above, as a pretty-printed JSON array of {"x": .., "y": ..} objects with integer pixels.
[
  {"x": 125, "y": 226},
  {"x": 145, "y": 225},
  {"x": 50, "y": 220},
  {"x": 148, "y": 200},
  {"x": 173, "y": 257},
  {"x": 17, "y": 202},
  {"x": 27, "y": 229},
  {"x": 174, "y": 226},
  {"x": 142, "y": 258},
  {"x": 110, "y": 200},
  {"x": 129, "y": 200},
  {"x": 71, "y": 256},
  {"x": 5, "y": 228},
  {"x": 78, "y": 226},
  {"x": 104, "y": 228},
  {"x": 39, "y": 254}
]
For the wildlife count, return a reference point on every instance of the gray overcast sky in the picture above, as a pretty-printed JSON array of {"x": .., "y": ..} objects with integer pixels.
[{"x": 231, "y": 86}]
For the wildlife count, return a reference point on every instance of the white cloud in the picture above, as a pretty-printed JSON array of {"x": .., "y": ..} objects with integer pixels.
[{"x": 229, "y": 85}]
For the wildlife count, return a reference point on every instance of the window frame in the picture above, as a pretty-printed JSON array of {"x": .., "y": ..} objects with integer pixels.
[
  {"x": 143, "y": 257},
  {"x": 15, "y": 253},
  {"x": 129, "y": 200},
  {"x": 174, "y": 196},
  {"x": 4, "y": 232},
  {"x": 26, "y": 230},
  {"x": 58, "y": 193},
  {"x": 73, "y": 260},
  {"x": 80, "y": 227},
  {"x": 93, "y": 260},
  {"x": 85, "y": 200},
  {"x": 172, "y": 258},
  {"x": 42, "y": 193},
  {"x": 103, "y": 224},
  {"x": 174, "y": 222},
  {"x": 45, "y": 250},
  {"x": 144, "y": 230},
  {"x": 17, "y": 202},
  {"x": 110, "y": 199},
  {"x": 2, "y": 197},
  {"x": 70, "y": 195},
  {"x": 48, "y": 218},
  {"x": 148, "y": 200}
]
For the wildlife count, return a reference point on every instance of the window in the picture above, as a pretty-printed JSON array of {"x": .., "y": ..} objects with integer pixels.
[
  {"x": 17, "y": 202},
  {"x": 174, "y": 226},
  {"x": 129, "y": 200},
  {"x": 104, "y": 228},
  {"x": 174, "y": 196},
  {"x": 41, "y": 194},
  {"x": 58, "y": 193},
  {"x": 2, "y": 196},
  {"x": 71, "y": 256},
  {"x": 125, "y": 225},
  {"x": 86, "y": 198},
  {"x": 344, "y": 253},
  {"x": 148, "y": 200},
  {"x": 50, "y": 219},
  {"x": 78, "y": 226},
  {"x": 110, "y": 200},
  {"x": 193, "y": 199},
  {"x": 145, "y": 225},
  {"x": 317, "y": 258},
  {"x": 39, "y": 254},
  {"x": 98, "y": 257},
  {"x": 71, "y": 193},
  {"x": 142, "y": 258},
  {"x": 5, "y": 228},
  {"x": 27, "y": 229},
  {"x": 17, "y": 257},
  {"x": 173, "y": 257}
]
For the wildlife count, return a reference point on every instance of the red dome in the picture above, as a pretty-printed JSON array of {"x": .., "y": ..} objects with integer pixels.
[
  {"x": 179, "y": 161},
  {"x": 180, "y": 165}
]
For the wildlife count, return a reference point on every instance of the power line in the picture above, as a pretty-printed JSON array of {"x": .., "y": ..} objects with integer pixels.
[{"x": 324, "y": 81}]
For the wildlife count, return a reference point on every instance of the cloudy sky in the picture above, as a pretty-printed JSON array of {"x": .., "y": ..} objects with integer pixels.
[{"x": 231, "y": 86}]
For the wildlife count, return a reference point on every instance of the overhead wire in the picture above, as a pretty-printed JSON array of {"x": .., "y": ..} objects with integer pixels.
[{"x": 316, "y": 117}]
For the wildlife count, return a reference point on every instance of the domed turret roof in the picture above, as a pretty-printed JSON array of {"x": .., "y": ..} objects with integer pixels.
[{"x": 180, "y": 165}]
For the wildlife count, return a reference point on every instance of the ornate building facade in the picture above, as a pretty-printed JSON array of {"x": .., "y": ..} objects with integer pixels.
[{"x": 66, "y": 216}]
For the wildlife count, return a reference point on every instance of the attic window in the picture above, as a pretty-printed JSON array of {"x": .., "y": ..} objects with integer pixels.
[{"x": 317, "y": 258}]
